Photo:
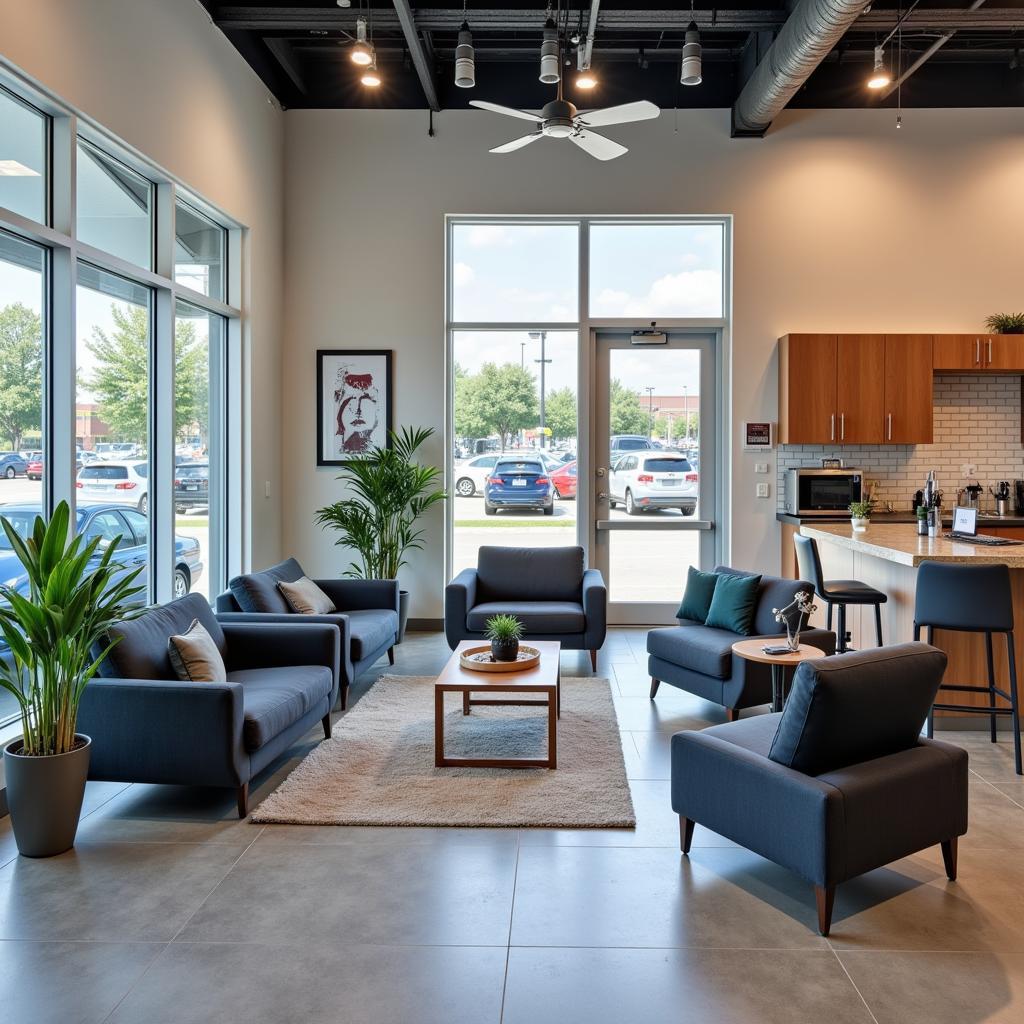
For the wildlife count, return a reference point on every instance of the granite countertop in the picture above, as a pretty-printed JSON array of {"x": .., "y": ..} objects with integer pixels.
[
  {"x": 992, "y": 521},
  {"x": 901, "y": 543}
]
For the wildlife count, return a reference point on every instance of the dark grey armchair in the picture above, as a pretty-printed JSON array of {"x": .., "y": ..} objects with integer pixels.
[
  {"x": 547, "y": 589},
  {"x": 366, "y": 613},
  {"x": 839, "y": 783},
  {"x": 148, "y": 726}
]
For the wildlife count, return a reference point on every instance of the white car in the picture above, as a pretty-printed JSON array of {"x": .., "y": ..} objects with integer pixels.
[
  {"x": 653, "y": 480},
  {"x": 470, "y": 476},
  {"x": 126, "y": 483}
]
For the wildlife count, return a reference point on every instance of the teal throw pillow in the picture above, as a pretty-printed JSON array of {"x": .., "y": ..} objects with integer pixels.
[
  {"x": 734, "y": 603},
  {"x": 700, "y": 588}
]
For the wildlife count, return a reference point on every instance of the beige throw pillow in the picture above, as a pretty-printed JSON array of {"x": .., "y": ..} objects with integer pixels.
[
  {"x": 195, "y": 656},
  {"x": 306, "y": 598}
]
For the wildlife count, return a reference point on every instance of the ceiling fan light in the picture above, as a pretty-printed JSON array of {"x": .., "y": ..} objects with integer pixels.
[
  {"x": 880, "y": 76},
  {"x": 691, "y": 69},
  {"x": 362, "y": 51},
  {"x": 549, "y": 71},
  {"x": 465, "y": 59}
]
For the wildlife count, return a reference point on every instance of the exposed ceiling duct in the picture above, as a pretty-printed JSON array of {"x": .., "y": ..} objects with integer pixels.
[{"x": 807, "y": 38}]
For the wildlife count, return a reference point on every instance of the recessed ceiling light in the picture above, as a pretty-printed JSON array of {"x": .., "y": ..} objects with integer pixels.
[{"x": 16, "y": 169}]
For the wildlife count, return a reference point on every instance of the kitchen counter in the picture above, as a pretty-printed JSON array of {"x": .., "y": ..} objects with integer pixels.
[{"x": 984, "y": 519}]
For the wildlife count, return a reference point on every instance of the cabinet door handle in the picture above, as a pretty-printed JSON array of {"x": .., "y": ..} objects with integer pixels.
[
  {"x": 833, "y": 428},
  {"x": 977, "y": 351},
  {"x": 889, "y": 428},
  {"x": 842, "y": 426},
  {"x": 990, "y": 351}
]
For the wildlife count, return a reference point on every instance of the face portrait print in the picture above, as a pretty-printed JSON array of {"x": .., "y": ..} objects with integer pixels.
[{"x": 356, "y": 402}]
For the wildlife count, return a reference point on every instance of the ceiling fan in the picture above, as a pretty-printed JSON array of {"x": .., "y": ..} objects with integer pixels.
[{"x": 560, "y": 120}]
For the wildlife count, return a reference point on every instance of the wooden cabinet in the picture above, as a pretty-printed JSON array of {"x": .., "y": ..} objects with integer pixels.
[
  {"x": 807, "y": 389},
  {"x": 1004, "y": 352},
  {"x": 908, "y": 389},
  {"x": 981, "y": 353},
  {"x": 860, "y": 400}
]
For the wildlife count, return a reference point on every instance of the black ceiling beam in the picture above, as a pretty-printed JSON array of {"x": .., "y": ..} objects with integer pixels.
[
  {"x": 423, "y": 64},
  {"x": 285, "y": 55}
]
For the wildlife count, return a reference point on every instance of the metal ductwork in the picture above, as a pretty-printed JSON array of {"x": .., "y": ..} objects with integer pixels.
[{"x": 809, "y": 35}]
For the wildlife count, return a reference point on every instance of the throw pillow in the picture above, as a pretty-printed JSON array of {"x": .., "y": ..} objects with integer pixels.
[
  {"x": 734, "y": 603},
  {"x": 306, "y": 598},
  {"x": 195, "y": 657},
  {"x": 700, "y": 588}
]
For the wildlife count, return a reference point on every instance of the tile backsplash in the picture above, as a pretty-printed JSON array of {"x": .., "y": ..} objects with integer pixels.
[{"x": 977, "y": 420}]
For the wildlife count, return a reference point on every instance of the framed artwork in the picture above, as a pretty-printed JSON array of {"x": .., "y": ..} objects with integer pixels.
[{"x": 353, "y": 403}]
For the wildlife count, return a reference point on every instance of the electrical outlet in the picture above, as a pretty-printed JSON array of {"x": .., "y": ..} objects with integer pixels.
[
  {"x": 764, "y": 490},
  {"x": 968, "y": 469},
  {"x": 760, "y": 467}
]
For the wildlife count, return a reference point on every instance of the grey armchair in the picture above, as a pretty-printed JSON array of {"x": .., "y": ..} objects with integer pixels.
[
  {"x": 548, "y": 589},
  {"x": 148, "y": 726},
  {"x": 839, "y": 783},
  {"x": 366, "y": 613}
]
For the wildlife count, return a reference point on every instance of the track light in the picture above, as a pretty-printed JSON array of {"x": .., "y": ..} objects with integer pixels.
[
  {"x": 880, "y": 76},
  {"x": 371, "y": 76},
  {"x": 549, "y": 71},
  {"x": 465, "y": 59},
  {"x": 691, "y": 70},
  {"x": 362, "y": 51},
  {"x": 586, "y": 80}
]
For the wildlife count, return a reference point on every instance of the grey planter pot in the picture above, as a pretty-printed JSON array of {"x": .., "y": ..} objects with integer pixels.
[
  {"x": 45, "y": 797},
  {"x": 403, "y": 613},
  {"x": 504, "y": 650}
]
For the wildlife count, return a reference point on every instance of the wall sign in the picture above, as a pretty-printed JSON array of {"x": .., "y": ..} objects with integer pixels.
[{"x": 758, "y": 437}]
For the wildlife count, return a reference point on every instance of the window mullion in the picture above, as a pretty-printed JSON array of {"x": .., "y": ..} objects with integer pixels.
[{"x": 161, "y": 447}]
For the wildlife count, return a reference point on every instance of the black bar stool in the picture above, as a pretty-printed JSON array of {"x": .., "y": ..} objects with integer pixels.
[
  {"x": 837, "y": 592},
  {"x": 971, "y": 599}
]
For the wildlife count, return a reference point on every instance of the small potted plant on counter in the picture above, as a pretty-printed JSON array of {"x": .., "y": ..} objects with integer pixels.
[
  {"x": 1005, "y": 323},
  {"x": 860, "y": 514},
  {"x": 504, "y": 632}
]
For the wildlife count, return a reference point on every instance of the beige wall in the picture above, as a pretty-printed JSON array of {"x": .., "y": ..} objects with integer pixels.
[
  {"x": 842, "y": 222},
  {"x": 161, "y": 77}
]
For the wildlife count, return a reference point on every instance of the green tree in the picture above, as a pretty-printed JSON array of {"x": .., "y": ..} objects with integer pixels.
[
  {"x": 506, "y": 399},
  {"x": 468, "y": 421},
  {"x": 21, "y": 372},
  {"x": 560, "y": 413},
  {"x": 627, "y": 415},
  {"x": 120, "y": 378}
]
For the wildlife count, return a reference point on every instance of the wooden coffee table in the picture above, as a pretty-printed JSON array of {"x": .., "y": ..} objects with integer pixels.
[
  {"x": 751, "y": 650},
  {"x": 541, "y": 679}
]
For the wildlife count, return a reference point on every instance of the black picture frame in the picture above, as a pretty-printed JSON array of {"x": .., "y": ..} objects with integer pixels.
[{"x": 333, "y": 449}]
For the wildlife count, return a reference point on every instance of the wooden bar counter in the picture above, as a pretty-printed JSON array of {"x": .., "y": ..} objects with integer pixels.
[{"x": 886, "y": 556}]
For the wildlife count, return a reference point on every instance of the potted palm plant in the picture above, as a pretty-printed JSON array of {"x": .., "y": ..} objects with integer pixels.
[
  {"x": 389, "y": 493},
  {"x": 860, "y": 514},
  {"x": 1005, "y": 323},
  {"x": 504, "y": 632},
  {"x": 56, "y": 637}
]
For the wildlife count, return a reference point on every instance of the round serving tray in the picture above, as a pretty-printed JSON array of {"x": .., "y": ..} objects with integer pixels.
[{"x": 478, "y": 659}]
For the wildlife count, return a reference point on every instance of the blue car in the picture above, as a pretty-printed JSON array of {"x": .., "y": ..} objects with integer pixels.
[
  {"x": 519, "y": 482},
  {"x": 107, "y": 522},
  {"x": 12, "y": 465}
]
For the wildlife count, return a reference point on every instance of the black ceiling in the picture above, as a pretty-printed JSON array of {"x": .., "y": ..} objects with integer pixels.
[{"x": 299, "y": 49}]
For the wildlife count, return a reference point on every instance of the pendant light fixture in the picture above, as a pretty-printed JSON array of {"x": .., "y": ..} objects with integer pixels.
[
  {"x": 371, "y": 76},
  {"x": 549, "y": 70},
  {"x": 690, "y": 73},
  {"x": 465, "y": 58},
  {"x": 362, "y": 51},
  {"x": 880, "y": 76}
]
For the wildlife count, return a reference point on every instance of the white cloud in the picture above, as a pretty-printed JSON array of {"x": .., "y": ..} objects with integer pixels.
[
  {"x": 463, "y": 274},
  {"x": 482, "y": 236},
  {"x": 688, "y": 293}
]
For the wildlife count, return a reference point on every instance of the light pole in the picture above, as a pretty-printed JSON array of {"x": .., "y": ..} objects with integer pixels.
[
  {"x": 686, "y": 411},
  {"x": 542, "y": 337},
  {"x": 522, "y": 355},
  {"x": 650, "y": 411}
]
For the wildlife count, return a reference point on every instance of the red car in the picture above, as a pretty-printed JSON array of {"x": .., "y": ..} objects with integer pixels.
[
  {"x": 564, "y": 479},
  {"x": 34, "y": 470}
]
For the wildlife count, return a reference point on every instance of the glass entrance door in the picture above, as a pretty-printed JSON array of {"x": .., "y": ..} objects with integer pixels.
[{"x": 653, "y": 458}]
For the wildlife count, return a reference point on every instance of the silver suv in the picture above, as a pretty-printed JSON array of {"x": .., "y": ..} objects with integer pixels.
[{"x": 650, "y": 480}]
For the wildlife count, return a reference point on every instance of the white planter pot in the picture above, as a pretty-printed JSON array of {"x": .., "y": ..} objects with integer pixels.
[{"x": 860, "y": 524}]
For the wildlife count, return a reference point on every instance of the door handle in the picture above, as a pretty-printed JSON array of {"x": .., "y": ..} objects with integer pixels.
[
  {"x": 602, "y": 496},
  {"x": 842, "y": 426},
  {"x": 833, "y": 426},
  {"x": 989, "y": 351},
  {"x": 977, "y": 351},
  {"x": 889, "y": 427}
]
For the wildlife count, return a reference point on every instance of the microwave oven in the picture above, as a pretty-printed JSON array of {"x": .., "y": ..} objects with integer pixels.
[{"x": 811, "y": 491}]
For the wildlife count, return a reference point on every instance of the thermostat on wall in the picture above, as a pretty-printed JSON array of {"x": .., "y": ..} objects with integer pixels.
[{"x": 758, "y": 437}]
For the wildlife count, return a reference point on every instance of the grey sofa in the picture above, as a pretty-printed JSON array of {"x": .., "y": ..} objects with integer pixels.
[
  {"x": 699, "y": 659},
  {"x": 366, "y": 615},
  {"x": 548, "y": 589},
  {"x": 840, "y": 782},
  {"x": 148, "y": 726}
]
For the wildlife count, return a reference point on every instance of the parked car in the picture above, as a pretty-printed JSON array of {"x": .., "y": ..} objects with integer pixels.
[
  {"x": 519, "y": 482},
  {"x": 125, "y": 483},
  {"x": 563, "y": 479},
  {"x": 622, "y": 443},
  {"x": 106, "y": 521},
  {"x": 31, "y": 456},
  {"x": 192, "y": 486},
  {"x": 471, "y": 476},
  {"x": 12, "y": 465},
  {"x": 34, "y": 470},
  {"x": 652, "y": 481}
]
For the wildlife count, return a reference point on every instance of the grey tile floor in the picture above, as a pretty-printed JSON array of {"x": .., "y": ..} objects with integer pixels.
[{"x": 170, "y": 909}]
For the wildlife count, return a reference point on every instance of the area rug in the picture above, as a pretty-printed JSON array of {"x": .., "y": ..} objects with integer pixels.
[{"x": 378, "y": 769}]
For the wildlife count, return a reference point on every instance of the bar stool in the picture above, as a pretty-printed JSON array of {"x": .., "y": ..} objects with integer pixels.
[
  {"x": 837, "y": 592},
  {"x": 971, "y": 599}
]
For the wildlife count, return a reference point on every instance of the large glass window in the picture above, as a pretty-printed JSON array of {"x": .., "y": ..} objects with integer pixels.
[
  {"x": 198, "y": 450},
  {"x": 199, "y": 248},
  {"x": 115, "y": 207},
  {"x": 113, "y": 394},
  {"x": 23, "y": 150}
]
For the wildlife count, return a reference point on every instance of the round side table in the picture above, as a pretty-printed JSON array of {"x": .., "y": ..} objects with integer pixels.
[{"x": 751, "y": 651}]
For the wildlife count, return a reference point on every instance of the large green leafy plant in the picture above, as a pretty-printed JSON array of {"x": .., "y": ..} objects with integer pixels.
[
  {"x": 73, "y": 598},
  {"x": 389, "y": 493}
]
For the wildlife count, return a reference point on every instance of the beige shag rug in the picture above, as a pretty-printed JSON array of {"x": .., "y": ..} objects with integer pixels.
[{"x": 378, "y": 769}]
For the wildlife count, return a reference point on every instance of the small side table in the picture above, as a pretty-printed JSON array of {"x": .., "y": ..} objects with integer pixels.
[{"x": 751, "y": 651}]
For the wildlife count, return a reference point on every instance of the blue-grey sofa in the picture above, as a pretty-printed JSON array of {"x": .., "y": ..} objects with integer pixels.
[
  {"x": 548, "y": 589},
  {"x": 840, "y": 782},
  {"x": 149, "y": 726},
  {"x": 699, "y": 658},
  {"x": 366, "y": 613}
]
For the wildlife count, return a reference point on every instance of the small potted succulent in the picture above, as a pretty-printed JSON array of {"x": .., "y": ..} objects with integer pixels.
[
  {"x": 504, "y": 632},
  {"x": 860, "y": 514},
  {"x": 1005, "y": 323}
]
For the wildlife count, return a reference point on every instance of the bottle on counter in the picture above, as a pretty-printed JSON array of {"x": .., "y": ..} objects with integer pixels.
[
  {"x": 922, "y": 521},
  {"x": 934, "y": 521}
]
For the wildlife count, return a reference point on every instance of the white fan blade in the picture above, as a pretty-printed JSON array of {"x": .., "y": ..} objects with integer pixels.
[
  {"x": 598, "y": 145},
  {"x": 642, "y": 110},
  {"x": 497, "y": 108},
  {"x": 511, "y": 147}
]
